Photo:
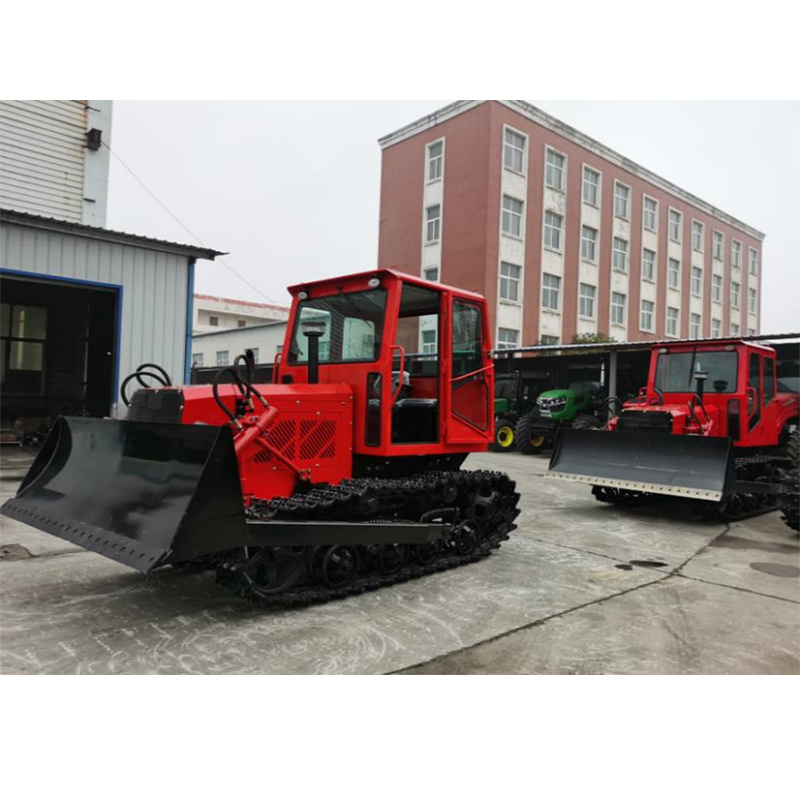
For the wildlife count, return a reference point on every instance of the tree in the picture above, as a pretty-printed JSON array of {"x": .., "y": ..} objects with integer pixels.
[{"x": 591, "y": 338}]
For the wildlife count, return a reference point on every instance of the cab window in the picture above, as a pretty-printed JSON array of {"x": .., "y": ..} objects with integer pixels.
[
  {"x": 353, "y": 327},
  {"x": 467, "y": 338}
]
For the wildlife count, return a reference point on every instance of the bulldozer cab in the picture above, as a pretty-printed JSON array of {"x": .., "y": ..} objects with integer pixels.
[
  {"x": 734, "y": 382},
  {"x": 416, "y": 354}
]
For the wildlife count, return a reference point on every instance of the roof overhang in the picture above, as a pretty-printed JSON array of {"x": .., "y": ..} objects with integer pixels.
[{"x": 25, "y": 220}]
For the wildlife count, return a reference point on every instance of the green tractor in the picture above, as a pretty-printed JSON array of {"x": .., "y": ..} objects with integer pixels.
[
  {"x": 514, "y": 395},
  {"x": 582, "y": 405}
]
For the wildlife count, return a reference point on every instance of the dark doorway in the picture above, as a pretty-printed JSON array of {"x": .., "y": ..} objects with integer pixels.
[{"x": 58, "y": 349}]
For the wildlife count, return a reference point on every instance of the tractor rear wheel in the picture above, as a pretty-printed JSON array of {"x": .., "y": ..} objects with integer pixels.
[
  {"x": 503, "y": 435},
  {"x": 789, "y": 499},
  {"x": 529, "y": 436},
  {"x": 587, "y": 422}
]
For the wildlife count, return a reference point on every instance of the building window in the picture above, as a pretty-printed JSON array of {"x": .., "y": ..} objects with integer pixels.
[
  {"x": 694, "y": 326},
  {"x": 431, "y": 274},
  {"x": 646, "y": 322},
  {"x": 752, "y": 301},
  {"x": 591, "y": 186},
  {"x": 697, "y": 235},
  {"x": 716, "y": 328},
  {"x": 586, "y": 300},
  {"x": 751, "y": 331},
  {"x": 507, "y": 338},
  {"x": 719, "y": 241},
  {"x": 429, "y": 341},
  {"x": 512, "y": 216},
  {"x": 674, "y": 273},
  {"x": 197, "y": 360},
  {"x": 223, "y": 358},
  {"x": 514, "y": 151},
  {"x": 589, "y": 243},
  {"x": 716, "y": 288},
  {"x": 433, "y": 217},
  {"x": 674, "y": 225},
  {"x": 254, "y": 351},
  {"x": 648, "y": 265},
  {"x": 734, "y": 329},
  {"x": 650, "y": 214},
  {"x": 554, "y": 174},
  {"x": 617, "y": 308},
  {"x": 435, "y": 161},
  {"x": 553, "y": 224},
  {"x": 735, "y": 291},
  {"x": 672, "y": 321},
  {"x": 697, "y": 281},
  {"x": 240, "y": 323},
  {"x": 753, "y": 261},
  {"x": 621, "y": 197},
  {"x": 22, "y": 349},
  {"x": 213, "y": 321},
  {"x": 551, "y": 340},
  {"x": 510, "y": 275},
  {"x": 619, "y": 255},
  {"x": 551, "y": 288},
  {"x": 736, "y": 254}
]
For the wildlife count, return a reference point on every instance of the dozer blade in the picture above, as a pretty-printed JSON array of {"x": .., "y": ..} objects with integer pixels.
[
  {"x": 144, "y": 494},
  {"x": 684, "y": 466}
]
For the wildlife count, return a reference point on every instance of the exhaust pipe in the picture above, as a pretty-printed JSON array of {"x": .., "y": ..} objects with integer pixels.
[{"x": 313, "y": 329}]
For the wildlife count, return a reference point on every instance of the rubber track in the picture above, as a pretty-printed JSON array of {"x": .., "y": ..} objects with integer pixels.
[
  {"x": 711, "y": 510},
  {"x": 393, "y": 496},
  {"x": 790, "y": 499}
]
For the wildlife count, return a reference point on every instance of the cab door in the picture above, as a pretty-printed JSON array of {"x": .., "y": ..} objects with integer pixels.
[
  {"x": 761, "y": 406},
  {"x": 470, "y": 375},
  {"x": 767, "y": 428}
]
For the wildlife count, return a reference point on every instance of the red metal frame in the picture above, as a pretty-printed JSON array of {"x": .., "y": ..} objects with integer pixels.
[{"x": 312, "y": 431}]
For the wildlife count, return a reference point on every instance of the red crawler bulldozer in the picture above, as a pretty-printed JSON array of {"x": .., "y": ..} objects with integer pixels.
[
  {"x": 341, "y": 475},
  {"x": 710, "y": 425}
]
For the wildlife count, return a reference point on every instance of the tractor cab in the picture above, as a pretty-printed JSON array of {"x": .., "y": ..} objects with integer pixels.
[
  {"x": 725, "y": 389},
  {"x": 416, "y": 355}
]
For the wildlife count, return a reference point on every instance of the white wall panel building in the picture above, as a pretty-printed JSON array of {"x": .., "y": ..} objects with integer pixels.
[
  {"x": 141, "y": 287},
  {"x": 50, "y": 163}
]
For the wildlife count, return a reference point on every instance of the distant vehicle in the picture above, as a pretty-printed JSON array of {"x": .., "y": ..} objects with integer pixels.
[
  {"x": 713, "y": 424},
  {"x": 581, "y": 406},
  {"x": 515, "y": 394}
]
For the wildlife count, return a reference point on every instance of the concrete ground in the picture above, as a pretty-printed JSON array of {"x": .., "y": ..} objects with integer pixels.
[{"x": 581, "y": 587}]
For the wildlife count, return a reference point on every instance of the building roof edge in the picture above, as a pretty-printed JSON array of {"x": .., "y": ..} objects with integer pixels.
[{"x": 24, "y": 219}]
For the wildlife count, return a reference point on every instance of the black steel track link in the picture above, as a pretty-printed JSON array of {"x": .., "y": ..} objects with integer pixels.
[{"x": 371, "y": 500}]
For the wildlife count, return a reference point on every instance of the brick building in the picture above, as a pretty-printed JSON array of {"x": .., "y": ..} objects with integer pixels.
[{"x": 562, "y": 235}]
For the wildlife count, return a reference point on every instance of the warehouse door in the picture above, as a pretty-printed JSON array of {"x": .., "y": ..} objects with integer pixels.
[{"x": 58, "y": 349}]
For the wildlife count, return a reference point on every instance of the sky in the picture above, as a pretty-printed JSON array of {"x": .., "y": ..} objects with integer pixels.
[{"x": 291, "y": 190}]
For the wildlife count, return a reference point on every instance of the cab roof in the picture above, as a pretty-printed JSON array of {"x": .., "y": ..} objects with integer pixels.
[{"x": 382, "y": 273}]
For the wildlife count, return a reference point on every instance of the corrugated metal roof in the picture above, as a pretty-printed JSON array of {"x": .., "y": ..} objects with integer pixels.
[{"x": 92, "y": 232}]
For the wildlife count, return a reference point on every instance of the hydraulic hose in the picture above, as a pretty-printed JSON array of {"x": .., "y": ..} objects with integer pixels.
[
  {"x": 237, "y": 381},
  {"x": 163, "y": 380}
]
